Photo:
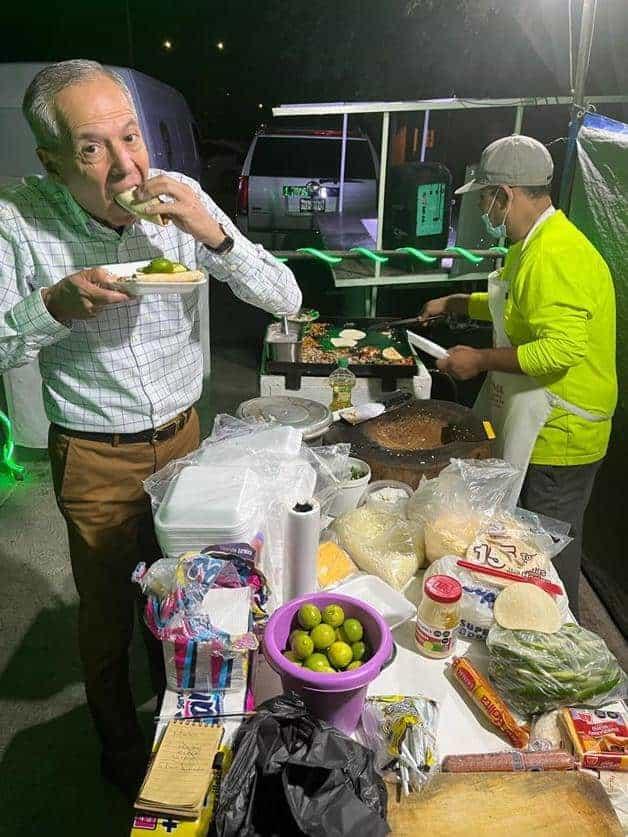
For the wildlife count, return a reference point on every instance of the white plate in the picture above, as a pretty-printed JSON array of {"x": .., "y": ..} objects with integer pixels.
[
  {"x": 139, "y": 288},
  {"x": 427, "y": 346},
  {"x": 390, "y": 604}
]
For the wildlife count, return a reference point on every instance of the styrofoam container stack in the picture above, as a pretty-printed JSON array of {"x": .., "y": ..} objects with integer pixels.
[{"x": 205, "y": 506}]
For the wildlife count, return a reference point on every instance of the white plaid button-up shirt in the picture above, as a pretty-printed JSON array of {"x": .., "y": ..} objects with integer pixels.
[{"x": 137, "y": 364}]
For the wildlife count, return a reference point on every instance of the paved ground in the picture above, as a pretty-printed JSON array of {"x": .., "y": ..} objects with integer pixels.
[{"x": 48, "y": 781}]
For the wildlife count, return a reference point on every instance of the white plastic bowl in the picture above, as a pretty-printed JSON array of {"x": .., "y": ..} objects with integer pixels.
[{"x": 350, "y": 492}]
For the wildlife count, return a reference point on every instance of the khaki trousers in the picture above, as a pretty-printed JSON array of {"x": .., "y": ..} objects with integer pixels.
[{"x": 98, "y": 486}]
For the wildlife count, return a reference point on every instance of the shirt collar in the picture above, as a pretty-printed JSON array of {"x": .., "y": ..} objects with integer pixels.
[
  {"x": 540, "y": 220},
  {"x": 60, "y": 195}
]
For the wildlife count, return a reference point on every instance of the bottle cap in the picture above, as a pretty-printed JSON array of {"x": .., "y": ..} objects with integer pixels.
[
  {"x": 443, "y": 588},
  {"x": 343, "y": 362}
]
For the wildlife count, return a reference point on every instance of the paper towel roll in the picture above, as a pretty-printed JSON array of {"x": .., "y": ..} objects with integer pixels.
[{"x": 302, "y": 534}]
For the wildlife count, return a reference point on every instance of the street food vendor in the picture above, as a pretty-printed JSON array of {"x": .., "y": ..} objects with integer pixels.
[
  {"x": 551, "y": 387},
  {"x": 120, "y": 373}
]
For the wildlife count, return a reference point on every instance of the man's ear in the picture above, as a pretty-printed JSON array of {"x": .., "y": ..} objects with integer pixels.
[
  {"x": 505, "y": 194},
  {"x": 49, "y": 162}
]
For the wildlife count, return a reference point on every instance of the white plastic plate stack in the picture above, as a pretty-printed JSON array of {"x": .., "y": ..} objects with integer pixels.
[{"x": 205, "y": 506}]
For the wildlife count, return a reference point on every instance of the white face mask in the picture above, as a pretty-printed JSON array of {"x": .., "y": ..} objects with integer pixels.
[{"x": 499, "y": 230}]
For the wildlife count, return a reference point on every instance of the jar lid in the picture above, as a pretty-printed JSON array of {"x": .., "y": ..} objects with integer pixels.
[
  {"x": 443, "y": 588},
  {"x": 301, "y": 413}
]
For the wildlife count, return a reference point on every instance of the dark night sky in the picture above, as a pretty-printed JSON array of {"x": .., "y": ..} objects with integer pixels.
[{"x": 295, "y": 51}]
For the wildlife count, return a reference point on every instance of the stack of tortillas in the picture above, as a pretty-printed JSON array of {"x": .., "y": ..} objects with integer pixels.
[
  {"x": 525, "y": 607},
  {"x": 348, "y": 338}
]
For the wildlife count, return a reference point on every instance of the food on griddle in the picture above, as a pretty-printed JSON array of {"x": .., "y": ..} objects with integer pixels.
[
  {"x": 408, "y": 431},
  {"x": 305, "y": 315},
  {"x": 343, "y": 342},
  {"x": 352, "y": 334},
  {"x": 323, "y": 343},
  {"x": 392, "y": 354}
]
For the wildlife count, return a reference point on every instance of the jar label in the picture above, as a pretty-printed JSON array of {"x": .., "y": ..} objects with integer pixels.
[{"x": 434, "y": 640}]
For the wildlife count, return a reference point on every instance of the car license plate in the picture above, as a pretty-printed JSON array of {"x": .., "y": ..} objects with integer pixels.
[
  {"x": 312, "y": 205},
  {"x": 295, "y": 192}
]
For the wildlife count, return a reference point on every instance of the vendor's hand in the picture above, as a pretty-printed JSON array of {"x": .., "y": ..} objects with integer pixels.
[
  {"x": 452, "y": 304},
  {"x": 83, "y": 295},
  {"x": 463, "y": 362},
  {"x": 185, "y": 208}
]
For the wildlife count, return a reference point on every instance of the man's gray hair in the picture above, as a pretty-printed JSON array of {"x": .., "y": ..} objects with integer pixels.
[{"x": 38, "y": 105}]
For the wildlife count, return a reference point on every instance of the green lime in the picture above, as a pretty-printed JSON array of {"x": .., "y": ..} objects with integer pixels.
[
  {"x": 290, "y": 655},
  {"x": 359, "y": 650},
  {"x": 177, "y": 267},
  {"x": 160, "y": 266},
  {"x": 309, "y": 616},
  {"x": 322, "y": 636},
  {"x": 317, "y": 662},
  {"x": 339, "y": 654},
  {"x": 341, "y": 635},
  {"x": 302, "y": 646},
  {"x": 296, "y": 632},
  {"x": 352, "y": 666},
  {"x": 328, "y": 670},
  {"x": 354, "y": 630},
  {"x": 333, "y": 615}
]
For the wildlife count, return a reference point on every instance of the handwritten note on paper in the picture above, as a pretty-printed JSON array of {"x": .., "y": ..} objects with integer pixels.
[{"x": 181, "y": 771}]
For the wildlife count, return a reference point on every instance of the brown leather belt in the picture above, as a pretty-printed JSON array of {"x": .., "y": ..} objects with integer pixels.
[{"x": 153, "y": 434}]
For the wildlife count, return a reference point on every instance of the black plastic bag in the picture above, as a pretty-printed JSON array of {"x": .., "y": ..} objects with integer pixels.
[{"x": 294, "y": 775}]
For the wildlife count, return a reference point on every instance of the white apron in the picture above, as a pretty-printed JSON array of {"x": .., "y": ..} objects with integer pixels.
[{"x": 515, "y": 404}]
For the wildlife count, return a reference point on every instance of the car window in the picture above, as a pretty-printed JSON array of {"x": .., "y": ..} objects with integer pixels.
[
  {"x": 310, "y": 157},
  {"x": 360, "y": 165}
]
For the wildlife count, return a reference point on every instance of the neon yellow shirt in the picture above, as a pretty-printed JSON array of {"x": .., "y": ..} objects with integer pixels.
[{"x": 560, "y": 314}]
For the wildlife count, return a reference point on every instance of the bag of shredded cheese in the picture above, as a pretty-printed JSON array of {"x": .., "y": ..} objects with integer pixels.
[{"x": 380, "y": 543}]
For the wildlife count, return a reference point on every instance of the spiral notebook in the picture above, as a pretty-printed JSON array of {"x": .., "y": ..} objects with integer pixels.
[{"x": 181, "y": 771}]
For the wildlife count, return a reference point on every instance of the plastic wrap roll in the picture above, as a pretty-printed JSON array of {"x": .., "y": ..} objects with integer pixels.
[{"x": 302, "y": 535}]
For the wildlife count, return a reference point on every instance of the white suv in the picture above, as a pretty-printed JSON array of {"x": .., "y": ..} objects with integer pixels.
[{"x": 289, "y": 176}]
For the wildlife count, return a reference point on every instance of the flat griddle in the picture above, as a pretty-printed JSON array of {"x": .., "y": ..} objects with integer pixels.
[
  {"x": 415, "y": 440},
  {"x": 388, "y": 373}
]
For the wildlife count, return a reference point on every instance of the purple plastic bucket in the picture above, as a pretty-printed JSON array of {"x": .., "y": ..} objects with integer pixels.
[{"x": 335, "y": 698}]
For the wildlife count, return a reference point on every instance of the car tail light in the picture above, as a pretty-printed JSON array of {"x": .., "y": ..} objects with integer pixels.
[{"x": 243, "y": 195}]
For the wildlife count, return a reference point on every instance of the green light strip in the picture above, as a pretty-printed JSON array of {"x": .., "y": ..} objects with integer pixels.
[
  {"x": 279, "y": 259},
  {"x": 418, "y": 254},
  {"x": 461, "y": 251},
  {"x": 369, "y": 254},
  {"x": 502, "y": 251},
  {"x": 8, "y": 447},
  {"x": 324, "y": 257}
]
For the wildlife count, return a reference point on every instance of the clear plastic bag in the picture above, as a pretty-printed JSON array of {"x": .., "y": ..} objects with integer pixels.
[
  {"x": 470, "y": 511},
  {"x": 535, "y": 672},
  {"x": 381, "y": 543},
  {"x": 478, "y": 596},
  {"x": 401, "y": 729},
  {"x": 283, "y": 469}
]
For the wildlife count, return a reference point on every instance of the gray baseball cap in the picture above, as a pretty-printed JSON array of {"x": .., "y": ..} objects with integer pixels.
[{"x": 512, "y": 161}]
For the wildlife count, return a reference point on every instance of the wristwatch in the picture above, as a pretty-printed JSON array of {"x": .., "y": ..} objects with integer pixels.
[{"x": 225, "y": 246}]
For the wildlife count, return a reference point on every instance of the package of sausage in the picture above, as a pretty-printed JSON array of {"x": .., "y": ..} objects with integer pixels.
[
  {"x": 477, "y": 687},
  {"x": 599, "y": 736},
  {"x": 512, "y": 761}
]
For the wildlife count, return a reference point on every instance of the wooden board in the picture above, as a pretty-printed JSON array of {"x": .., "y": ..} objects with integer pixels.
[{"x": 555, "y": 804}]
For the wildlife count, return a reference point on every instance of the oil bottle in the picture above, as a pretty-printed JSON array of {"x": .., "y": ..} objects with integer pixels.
[{"x": 341, "y": 381}]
